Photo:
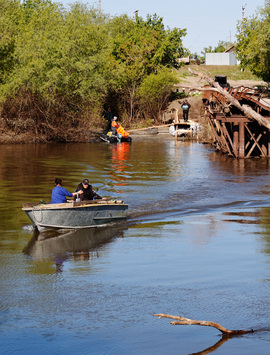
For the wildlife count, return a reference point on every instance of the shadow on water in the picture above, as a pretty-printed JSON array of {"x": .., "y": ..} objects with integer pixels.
[{"x": 76, "y": 244}]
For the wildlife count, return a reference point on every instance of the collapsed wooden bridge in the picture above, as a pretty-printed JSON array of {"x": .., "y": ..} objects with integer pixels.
[{"x": 240, "y": 120}]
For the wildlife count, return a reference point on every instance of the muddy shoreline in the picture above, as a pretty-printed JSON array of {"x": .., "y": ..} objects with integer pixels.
[{"x": 196, "y": 114}]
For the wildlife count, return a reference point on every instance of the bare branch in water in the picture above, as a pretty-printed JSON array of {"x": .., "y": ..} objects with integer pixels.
[{"x": 178, "y": 320}]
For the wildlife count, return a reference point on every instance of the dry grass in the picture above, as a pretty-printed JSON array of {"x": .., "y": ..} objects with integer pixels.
[{"x": 232, "y": 72}]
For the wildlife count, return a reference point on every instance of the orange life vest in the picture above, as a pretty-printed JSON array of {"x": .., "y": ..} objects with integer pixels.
[
  {"x": 114, "y": 124},
  {"x": 120, "y": 130}
]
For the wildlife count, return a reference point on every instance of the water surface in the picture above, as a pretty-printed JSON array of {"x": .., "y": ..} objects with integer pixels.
[{"x": 196, "y": 244}]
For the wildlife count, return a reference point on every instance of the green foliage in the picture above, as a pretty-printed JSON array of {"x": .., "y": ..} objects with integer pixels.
[
  {"x": 253, "y": 43},
  {"x": 155, "y": 91},
  {"x": 9, "y": 18},
  {"x": 146, "y": 45},
  {"x": 59, "y": 67},
  {"x": 142, "y": 48},
  {"x": 220, "y": 48},
  {"x": 59, "y": 55}
]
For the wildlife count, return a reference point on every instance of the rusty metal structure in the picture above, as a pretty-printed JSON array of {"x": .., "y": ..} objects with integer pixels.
[{"x": 235, "y": 134}]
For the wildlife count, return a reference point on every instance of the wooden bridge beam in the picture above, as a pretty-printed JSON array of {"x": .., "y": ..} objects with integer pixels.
[
  {"x": 268, "y": 136},
  {"x": 236, "y": 139},
  {"x": 241, "y": 140},
  {"x": 239, "y": 136}
]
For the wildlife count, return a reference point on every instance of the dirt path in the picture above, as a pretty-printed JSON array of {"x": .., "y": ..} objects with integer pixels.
[{"x": 195, "y": 81}]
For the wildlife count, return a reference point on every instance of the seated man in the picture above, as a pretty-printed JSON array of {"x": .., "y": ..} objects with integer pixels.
[
  {"x": 118, "y": 130},
  {"x": 87, "y": 193},
  {"x": 59, "y": 193},
  {"x": 114, "y": 125}
]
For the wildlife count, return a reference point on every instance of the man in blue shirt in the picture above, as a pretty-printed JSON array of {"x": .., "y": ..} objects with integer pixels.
[{"x": 59, "y": 193}]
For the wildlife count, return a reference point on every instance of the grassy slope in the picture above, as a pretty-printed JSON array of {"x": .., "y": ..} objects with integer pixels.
[{"x": 232, "y": 72}]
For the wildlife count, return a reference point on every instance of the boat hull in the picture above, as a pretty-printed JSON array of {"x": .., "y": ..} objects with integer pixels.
[
  {"x": 76, "y": 215},
  {"x": 184, "y": 129},
  {"x": 115, "y": 138}
]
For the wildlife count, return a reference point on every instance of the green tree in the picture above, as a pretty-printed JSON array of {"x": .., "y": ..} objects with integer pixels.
[
  {"x": 220, "y": 48},
  {"x": 208, "y": 50},
  {"x": 60, "y": 66},
  {"x": 58, "y": 78},
  {"x": 253, "y": 43},
  {"x": 9, "y": 19},
  {"x": 154, "y": 93},
  {"x": 140, "y": 49}
]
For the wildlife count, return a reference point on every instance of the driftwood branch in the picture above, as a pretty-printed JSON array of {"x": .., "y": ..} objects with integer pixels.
[
  {"x": 178, "y": 320},
  {"x": 248, "y": 111}
]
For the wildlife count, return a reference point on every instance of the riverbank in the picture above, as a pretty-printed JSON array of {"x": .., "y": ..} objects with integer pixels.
[
  {"x": 88, "y": 135},
  {"x": 188, "y": 82},
  {"x": 72, "y": 136}
]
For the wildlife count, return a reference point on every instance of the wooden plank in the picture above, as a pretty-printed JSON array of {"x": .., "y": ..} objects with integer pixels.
[
  {"x": 254, "y": 145},
  {"x": 226, "y": 134},
  {"x": 241, "y": 140},
  {"x": 222, "y": 147},
  {"x": 236, "y": 139},
  {"x": 233, "y": 118},
  {"x": 268, "y": 137},
  {"x": 256, "y": 142},
  {"x": 223, "y": 138},
  {"x": 264, "y": 144}
]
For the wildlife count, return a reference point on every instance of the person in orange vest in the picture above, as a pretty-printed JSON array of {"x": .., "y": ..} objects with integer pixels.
[
  {"x": 114, "y": 125},
  {"x": 118, "y": 130}
]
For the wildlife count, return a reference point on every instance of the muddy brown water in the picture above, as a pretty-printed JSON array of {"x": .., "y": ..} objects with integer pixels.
[{"x": 196, "y": 243}]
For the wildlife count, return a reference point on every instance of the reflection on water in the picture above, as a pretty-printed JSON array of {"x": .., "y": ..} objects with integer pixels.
[
  {"x": 76, "y": 244},
  {"x": 120, "y": 159},
  {"x": 214, "y": 347},
  {"x": 253, "y": 217}
]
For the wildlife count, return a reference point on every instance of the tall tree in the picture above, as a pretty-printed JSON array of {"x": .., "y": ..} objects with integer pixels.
[
  {"x": 253, "y": 43},
  {"x": 58, "y": 76},
  {"x": 221, "y": 47},
  {"x": 143, "y": 47},
  {"x": 154, "y": 93},
  {"x": 59, "y": 66},
  {"x": 9, "y": 19}
]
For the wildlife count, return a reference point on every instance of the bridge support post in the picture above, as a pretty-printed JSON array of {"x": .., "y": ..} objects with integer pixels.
[
  {"x": 241, "y": 140},
  {"x": 236, "y": 139}
]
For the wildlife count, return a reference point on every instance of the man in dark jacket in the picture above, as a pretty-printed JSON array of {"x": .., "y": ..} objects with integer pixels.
[
  {"x": 185, "y": 107},
  {"x": 109, "y": 118},
  {"x": 88, "y": 192}
]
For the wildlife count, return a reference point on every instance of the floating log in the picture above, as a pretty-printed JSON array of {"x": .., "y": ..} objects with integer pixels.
[{"x": 178, "y": 320}]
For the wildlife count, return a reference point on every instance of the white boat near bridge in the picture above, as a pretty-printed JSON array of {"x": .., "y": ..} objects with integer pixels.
[{"x": 184, "y": 129}]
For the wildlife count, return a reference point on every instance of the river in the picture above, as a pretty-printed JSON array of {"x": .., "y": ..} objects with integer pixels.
[{"x": 196, "y": 243}]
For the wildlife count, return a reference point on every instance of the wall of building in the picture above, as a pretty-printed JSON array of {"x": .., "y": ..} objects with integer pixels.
[{"x": 220, "y": 59}]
